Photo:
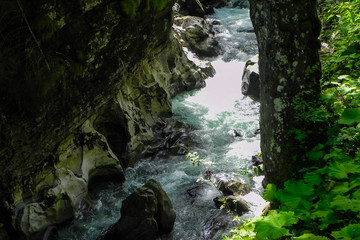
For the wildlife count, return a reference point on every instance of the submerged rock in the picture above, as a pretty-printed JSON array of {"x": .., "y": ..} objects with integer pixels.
[
  {"x": 250, "y": 85},
  {"x": 146, "y": 213},
  {"x": 214, "y": 228}
]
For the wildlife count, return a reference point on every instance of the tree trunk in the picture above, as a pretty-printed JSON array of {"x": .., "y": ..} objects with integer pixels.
[{"x": 287, "y": 33}]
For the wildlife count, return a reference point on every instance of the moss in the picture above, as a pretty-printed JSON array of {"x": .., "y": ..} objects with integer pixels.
[{"x": 130, "y": 7}]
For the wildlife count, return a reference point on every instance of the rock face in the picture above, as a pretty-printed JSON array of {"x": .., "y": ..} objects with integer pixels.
[
  {"x": 250, "y": 85},
  {"x": 83, "y": 86},
  {"x": 191, "y": 7},
  {"x": 198, "y": 36},
  {"x": 146, "y": 213}
]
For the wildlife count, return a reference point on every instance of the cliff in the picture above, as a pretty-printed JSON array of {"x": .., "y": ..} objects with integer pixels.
[{"x": 85, "y": 85}]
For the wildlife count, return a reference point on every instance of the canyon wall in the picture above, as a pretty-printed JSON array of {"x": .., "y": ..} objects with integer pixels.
[{"x": 85, "y": 87}]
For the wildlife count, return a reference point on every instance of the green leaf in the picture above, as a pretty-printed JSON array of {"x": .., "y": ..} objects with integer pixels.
[
  {"x": 346, "y": 204},
  {"x": 352, "y": 231},
  {"x": 313, "y": 178},
  {"x": 271, "y": 226},
  {"x": 340, "y": 170},
  {"x": 270, "y": 192},
  {"x": 295, "y": 195},
  {"x": 350, "y": 116},
  {"x": 356, "y": 194},
  {"x": 340, "y": 188},
  {"x": 310, "y": 236}
]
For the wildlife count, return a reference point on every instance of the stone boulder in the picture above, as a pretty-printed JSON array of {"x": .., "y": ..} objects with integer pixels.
[
  {"x": 250, "y": 85},
  {"x": 231, "y": 187},
  {"x": 62, "y": 193},
  {"x": 232, "y": 203},
  {"x": 241, "y": 4},
  {"x": 191, "y": 7},
  {"x": 3, "y": 233},
  {"x": 214, "y": 3},
  {"x": 146, "y": 213},
  {"x": 227, "y": 184},
  {"x": 198, "y": 36}
]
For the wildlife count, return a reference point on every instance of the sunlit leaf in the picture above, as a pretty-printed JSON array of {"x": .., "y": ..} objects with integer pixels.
[
  {"x": 340, "y": 170},
  {"x": 310, "y": 236},
  {"x": 346, "y": 204},
  {"x": 271, "y": 226},
  {"x": 341, "y": 188},
  {"x": 269, "y": 192},
  {"x": 350, "y": 116},
  {"x": 349, "y": 232}
]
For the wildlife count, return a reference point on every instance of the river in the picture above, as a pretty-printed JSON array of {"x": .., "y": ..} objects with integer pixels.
[{"x": 214, "y": 111}]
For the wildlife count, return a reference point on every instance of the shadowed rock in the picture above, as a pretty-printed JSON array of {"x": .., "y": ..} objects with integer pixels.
[
  {"x": 146, "y": 213},
  {"x": 250, "y": 85}
]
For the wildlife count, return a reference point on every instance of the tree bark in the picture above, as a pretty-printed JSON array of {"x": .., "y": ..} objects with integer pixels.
[{"x": 287, "y": 33}]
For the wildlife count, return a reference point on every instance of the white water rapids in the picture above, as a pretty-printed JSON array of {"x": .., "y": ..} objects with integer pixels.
[{"x": 214, "y": 112}]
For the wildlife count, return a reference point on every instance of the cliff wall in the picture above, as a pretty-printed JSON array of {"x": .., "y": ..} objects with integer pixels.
[{"x": 84, "y": 85}]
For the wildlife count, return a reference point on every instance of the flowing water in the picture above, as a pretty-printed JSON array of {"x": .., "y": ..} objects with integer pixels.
[{"x": 214, "y": 112}]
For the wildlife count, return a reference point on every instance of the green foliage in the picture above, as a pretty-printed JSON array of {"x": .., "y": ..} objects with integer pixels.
[
  {"x": 272, "y": 225},
  {"x": 350, "y": 116},
  {"x": 323, "y": 202},
  {"x": 352, "y": 231},
  {"x": 194, "y": 158}
]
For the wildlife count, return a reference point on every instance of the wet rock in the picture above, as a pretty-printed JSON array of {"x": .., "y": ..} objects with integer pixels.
[
  {"x": 241, "y": 4},
  {"x": 191, "y": 194},
  {"x": 236, "y": 133},
  {"x": 177, "y": 137},
  {"x": 3, "y": 233},
  {"x": 215, "y": 227},
  {"x": 232, "y": 203},
  {"x": 51, "y": 233},
  {"x": 233, "y": 188},
  {"x": 146, "y": 213},
  {"x": 62, "y": 194},
  {"x": 256, "y": 160},
  {"x": 215, "y": 3},
  {"x": 198, "y": 36},
  {"x": 250, "y": 85},
  {"x": 193, "y": 8},
  {"x": 229, "y": 186}
]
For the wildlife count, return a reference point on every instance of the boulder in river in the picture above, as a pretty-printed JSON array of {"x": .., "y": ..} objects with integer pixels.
[
  {"x": 198, "y": 36},
  {"x": 232, "y": 203},
  {"x": 250, "y": 85},
  {"x": 192, "y": 8},
  {"x": 241, "y": 4},
  {"x": 233, "y": 188},
  {"x": 146, "y": 213},
  {"x": 227, "y": 184}
]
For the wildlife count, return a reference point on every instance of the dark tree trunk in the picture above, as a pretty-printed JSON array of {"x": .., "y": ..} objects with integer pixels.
[{"x": 287, "y": 32}]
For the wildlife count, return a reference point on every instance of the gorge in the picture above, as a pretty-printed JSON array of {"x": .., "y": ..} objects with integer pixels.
[{"x": 99, "y": 110}]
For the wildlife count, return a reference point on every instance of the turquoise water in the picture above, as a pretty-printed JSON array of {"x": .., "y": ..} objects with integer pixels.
[{"x": 214, "y": 112}]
